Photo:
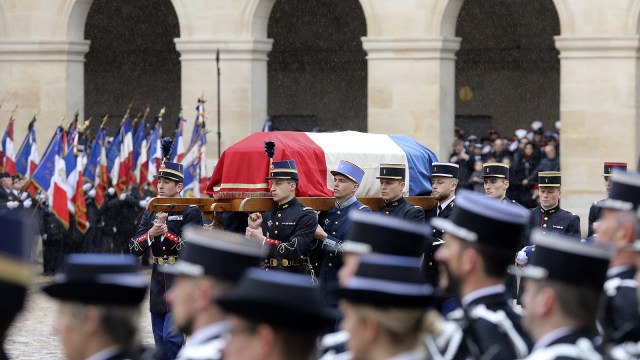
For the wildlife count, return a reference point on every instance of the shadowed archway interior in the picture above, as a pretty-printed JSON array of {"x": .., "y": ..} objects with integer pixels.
[
  {"x": 317, "y": 66},
  {"x": 508, "y": 61},
  {"x": 132, "y": 59}
]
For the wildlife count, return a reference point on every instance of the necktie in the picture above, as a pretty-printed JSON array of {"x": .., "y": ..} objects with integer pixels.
[{"x": 439, "y": 210}]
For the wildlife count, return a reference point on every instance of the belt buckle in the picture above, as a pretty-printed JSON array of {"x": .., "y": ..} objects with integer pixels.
[
  {"x": 273, "y": 262},
  {"x": 172, "y": 259},
  {"x": 160, "y": 261},
  {"x": 285, "y": 262}
]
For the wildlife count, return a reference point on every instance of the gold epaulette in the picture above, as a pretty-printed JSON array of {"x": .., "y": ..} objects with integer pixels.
[
  {"x": 362, "y": 207},
  {"x": 307, "y": 208}
]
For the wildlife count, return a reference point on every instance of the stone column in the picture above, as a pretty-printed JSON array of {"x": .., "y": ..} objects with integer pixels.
[
  {"x": 243, "y": 85},
  {"x": 599, "y": 113},
  {"x": 411, "y": 88},
  {"x": 45, "y": 76}
]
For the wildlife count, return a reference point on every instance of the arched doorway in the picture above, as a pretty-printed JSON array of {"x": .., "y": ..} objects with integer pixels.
[
  {"x": 507, "y": 68},
  {"x": 317, "y": 70},
  {"x": 132, "y": 58}
]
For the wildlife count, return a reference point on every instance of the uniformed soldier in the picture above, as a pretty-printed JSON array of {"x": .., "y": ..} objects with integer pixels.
[
  {"x": 444, "y": 181},
  {"x": 162, "y": 232},
  {"x": 595, "y": 210},
  {"x": 209, "y": 266},
  {"x": 287, "y": 231},
  {"x": 99, "y": 306},
  {"x": 274, "y": 315},
  {"x": 496, "y": 181},
  {"x": 332, "y": 225},
  {"x": 384, "y": 306},
  {"x": 562, "y": 301},
  {"x": 16, "y": 275},
  {"x": 391, "y": 186},
  {"x": 548, "y": 216},
  {"x": 8, "y": 200},
  {"x": 618, "y": 227},
  {"x": 475, "y": 258}
]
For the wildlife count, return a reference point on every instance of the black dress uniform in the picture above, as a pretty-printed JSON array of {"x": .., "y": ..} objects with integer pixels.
[
  {"x": 554, "y": 219},
  {"x": 492, "y": 330},
  {"x": 165, "y": 249},
  {"x": 289, "y": 229},
  {"x": 570, "y": 345},
  {"x": 595, "y": 210},
  {"x": 620, "y": 320},
  {"x": 400, "y": 207}
]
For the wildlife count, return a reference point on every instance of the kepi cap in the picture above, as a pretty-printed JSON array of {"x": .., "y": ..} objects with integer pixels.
[
  {"x": 350, "y": 170},
  {"x": 495, "y": 170},
  {"x": 392, "y": 171},
  {"x": 549, "y": 178},
  {"x": 285, "y": 169},
  {"x": 444, "y": 169}
]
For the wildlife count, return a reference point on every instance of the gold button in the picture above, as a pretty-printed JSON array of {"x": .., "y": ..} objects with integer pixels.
[
  {"x": 386, "y": 212},
  {"x": 279, "y": 215},
  {"x": 544, "y": 225},
  {"x": 338, "y": 212},
  {"x": 546, "y": 218},
  {"x": 330, "y": 254},
  {"x": 336, "y": 223},
  {"x": 163, "y": 248},
  {"x": 333, "y": 233},
  {"x": 276, "y": 223},
  {"x": 330, "y": 264},
  {"x": 276, "y": 232}
]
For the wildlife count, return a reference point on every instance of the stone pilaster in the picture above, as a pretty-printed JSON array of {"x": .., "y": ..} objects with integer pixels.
[{"x": 411, "y": 88}]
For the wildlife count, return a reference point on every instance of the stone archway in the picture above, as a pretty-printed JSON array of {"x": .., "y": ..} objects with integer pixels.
[
  {"x": 132, "y": 58},
  {"x": 317, "y": 66}
]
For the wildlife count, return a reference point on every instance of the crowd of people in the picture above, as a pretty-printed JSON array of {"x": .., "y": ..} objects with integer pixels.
[{"x": 475, "y": 276}]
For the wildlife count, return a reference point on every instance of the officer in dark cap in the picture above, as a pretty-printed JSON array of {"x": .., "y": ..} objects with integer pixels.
[
  {"x": 444, "y": 181},
  {"x": 595, "y": 210},
  {"x": 16, "y": 275},
  {"x": 99, "y": 309},
  {"x": 385, "y": 304},
  {"x": 332, "y": 225},
  {"x": 8, "y": 199},
  {"x": 287, "y": 231},
  {"x": 474, "y": 259},
  {"x": 274, "y": 315},
  {"x": 618, "y": 227},
  {"x": 162, "y": 232},
  {"x": 496, "y": 181},
  {"x": 562, "y": 301},
  {"x": 391, "y": 187},
  {"x": 209, "y": 266},
  {"x": 548, "y": 216}
]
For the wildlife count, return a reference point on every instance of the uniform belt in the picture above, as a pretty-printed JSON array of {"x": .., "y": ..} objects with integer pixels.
[
  {"x": 164, "y": 260},
  {"x": 273, "y": 262}
]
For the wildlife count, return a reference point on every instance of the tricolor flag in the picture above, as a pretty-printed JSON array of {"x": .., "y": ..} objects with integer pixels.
[
  {"x": 9, "y": 156},
  {"x": 125, "y": 157},
  {"x": 74, "y": 163},
  {"x": 154, "y": 157},
  {"x": 198, "y": 127},
  {"x": 178, "y": 151},
  {"x": 102, "y": 179},
  {"x": 27, "y": 159},
  {"x": 139, "y": 147},
  {"x": 51, "y": 177}
]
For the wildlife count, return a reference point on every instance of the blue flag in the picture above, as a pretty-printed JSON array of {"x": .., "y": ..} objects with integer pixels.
[
  {"x": 22, "y": 159},
  {"x": 137, "y": 143},
  {"x": 43, "y": 173}
]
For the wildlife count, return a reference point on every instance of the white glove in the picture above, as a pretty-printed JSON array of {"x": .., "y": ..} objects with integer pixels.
[
  {"x": 24, "y": 196},
  {"x": 27, "y": 203},
  {"x": 111, "y": 191},
  {"x": 123, "y": 196},
  {"x": 86, "y": 187},
  {"x": 522, "y": 258},
  {"x": 42, "y": 197},
  {"x": 88, "y": 224},
  {"x": 44, "y": 236},
  {"x": 12, "y": 204},
  {"x": 92, "y": 193},
  {"x": 143, "y": 203}
]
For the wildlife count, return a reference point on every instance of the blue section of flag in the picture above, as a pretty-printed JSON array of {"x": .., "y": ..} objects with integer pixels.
[
  {"x": 47, "y": 166},
  {"x": 191, "y": 174},
  {"x": 22, "y": 159},
  {"x": 70, "y": 161},
  {"x": 93, "y": 160},
  {"x": 419, "y": 159},
  {"x": 113, "y": 150}
]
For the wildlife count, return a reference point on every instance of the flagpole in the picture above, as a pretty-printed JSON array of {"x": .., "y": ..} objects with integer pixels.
[{"x": 218, "y": 72}]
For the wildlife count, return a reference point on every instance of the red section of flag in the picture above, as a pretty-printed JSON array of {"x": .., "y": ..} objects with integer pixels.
[
  {"x": 59, "y": 204},
  {"x": 243, "y": 167},
  {"x": 80, "y": 206}
]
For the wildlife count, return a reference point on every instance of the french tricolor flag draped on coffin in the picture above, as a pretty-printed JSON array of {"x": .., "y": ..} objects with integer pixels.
[{"x": 242, "y": 168}]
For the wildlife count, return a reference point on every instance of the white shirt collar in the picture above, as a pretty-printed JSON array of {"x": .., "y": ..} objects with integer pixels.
[
  {"x": 410, "y": 355},
  {"x": 203, "y": 334},
  {"x": 550, "y": 337},
  {"x": 617, "y": 270},
  {"x": 105, "y": 354},
  {"x": 489, "y": 290},
  {"x": 444, "y": 204}
]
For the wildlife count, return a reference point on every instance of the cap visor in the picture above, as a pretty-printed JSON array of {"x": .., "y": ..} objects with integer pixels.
[{"x": 448, "y": 226}]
